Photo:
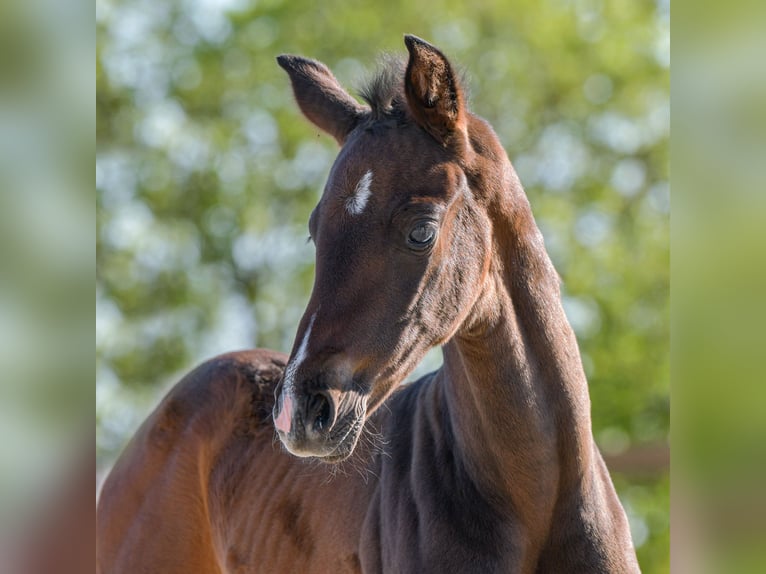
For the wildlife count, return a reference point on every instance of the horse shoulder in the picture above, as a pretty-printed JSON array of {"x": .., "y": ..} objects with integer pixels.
[{"x": 153, "y": 508}]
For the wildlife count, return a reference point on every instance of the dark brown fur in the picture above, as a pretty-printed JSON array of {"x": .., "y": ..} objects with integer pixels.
[{"x": 487, "y": 465}]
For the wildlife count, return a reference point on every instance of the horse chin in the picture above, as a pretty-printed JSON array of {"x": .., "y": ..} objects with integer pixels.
[{"x": 335, "y": 457}]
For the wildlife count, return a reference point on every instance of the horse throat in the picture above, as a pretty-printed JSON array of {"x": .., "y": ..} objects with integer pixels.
[{"x": 513, "y": 378}]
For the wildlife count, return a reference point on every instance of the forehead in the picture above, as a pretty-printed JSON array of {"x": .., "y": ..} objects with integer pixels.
[{"x": 395, "y": 163}]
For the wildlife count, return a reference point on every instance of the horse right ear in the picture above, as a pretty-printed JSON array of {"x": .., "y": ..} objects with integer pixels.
[
  {"x": 321, "y": 98},
  {"x": 433, "y": 91}
]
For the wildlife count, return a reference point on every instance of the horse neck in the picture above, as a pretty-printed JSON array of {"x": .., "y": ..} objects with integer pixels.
[{"x": 514, "y": 382}]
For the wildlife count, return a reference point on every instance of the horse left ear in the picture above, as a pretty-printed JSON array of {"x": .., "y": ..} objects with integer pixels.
[
  {"x": 433, "y": 91},
  {"x": 321, "y": 98}
]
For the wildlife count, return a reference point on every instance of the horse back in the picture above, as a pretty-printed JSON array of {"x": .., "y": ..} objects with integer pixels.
[{"x": 154, "y": 512}]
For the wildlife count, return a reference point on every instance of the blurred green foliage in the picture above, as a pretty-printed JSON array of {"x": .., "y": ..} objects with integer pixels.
[{"x": 206, "y": 174}]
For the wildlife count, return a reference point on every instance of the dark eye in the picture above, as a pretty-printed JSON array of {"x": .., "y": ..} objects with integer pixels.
[{"x": 422, "y": 235}]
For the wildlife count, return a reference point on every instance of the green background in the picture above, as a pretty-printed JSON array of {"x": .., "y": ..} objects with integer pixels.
[{"x": 206, "y": 174}]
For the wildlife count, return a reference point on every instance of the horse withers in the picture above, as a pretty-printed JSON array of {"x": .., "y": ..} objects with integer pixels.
[{"x": 423, "y": 237}]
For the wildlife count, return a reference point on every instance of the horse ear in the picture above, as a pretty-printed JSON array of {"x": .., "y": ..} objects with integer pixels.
[
  {"x": 433, "y": 91},
  {"x": 321, "y": 98}
]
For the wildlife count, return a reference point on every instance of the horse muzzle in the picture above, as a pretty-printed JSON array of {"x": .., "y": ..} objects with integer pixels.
[{"x": 318, "y": 423}]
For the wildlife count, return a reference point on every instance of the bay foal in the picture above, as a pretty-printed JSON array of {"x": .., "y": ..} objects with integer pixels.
[{"x": 423, "y": 237}]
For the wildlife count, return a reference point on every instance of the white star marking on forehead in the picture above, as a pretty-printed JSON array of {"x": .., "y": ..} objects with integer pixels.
[{"x": 357, "y": 201}]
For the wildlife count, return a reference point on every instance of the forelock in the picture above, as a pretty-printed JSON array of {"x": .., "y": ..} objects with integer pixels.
[{"x": 384, "y": 91}]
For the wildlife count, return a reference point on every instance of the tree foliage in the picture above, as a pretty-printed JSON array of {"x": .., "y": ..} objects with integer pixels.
[{"x": 206, "y": 174}]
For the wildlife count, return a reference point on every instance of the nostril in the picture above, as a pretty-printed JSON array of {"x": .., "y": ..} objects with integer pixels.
[{"x": 319, "y": 410}]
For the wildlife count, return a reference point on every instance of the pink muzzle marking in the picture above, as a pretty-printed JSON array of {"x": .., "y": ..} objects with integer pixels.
[{"x": 284, "y": 420}]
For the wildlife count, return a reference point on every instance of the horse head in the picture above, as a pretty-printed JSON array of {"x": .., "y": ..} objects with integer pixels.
[{"x": 403, "y": 241}]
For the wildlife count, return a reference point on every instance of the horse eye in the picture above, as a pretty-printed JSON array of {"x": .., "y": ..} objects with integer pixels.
[{"x": 422, "y": 235}]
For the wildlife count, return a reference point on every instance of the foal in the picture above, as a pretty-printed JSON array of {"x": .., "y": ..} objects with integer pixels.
[{"x": 423, "y": 237}]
